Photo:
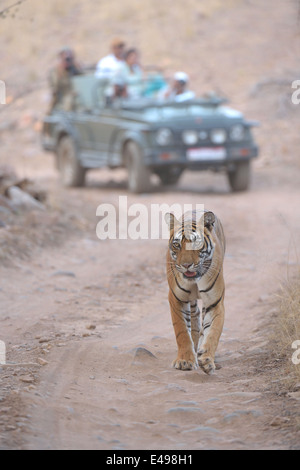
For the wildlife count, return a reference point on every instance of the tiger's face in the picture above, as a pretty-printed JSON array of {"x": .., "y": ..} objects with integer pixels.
[{"x": 191, "y": 246}]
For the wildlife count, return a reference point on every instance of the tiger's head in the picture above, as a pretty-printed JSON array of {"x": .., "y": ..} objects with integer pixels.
[{"x": 191, "y": 244}]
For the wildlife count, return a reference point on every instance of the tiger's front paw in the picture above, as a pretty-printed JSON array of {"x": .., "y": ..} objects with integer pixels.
[
  {"x": 206, "y": 362},
  {"x": 188, "y": 363}
]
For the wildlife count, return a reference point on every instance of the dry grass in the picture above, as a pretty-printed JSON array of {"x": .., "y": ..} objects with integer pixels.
[{"x": 287, "y": 331}]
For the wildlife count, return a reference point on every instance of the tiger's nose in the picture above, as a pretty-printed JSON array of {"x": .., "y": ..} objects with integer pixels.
[{"x": 187, "y": 265}]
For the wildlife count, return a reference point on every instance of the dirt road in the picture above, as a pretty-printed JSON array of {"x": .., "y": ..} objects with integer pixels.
[{"x": 88, "y": 323}]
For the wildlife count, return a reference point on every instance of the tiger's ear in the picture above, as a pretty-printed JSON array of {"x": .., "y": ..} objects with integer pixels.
[
  {"x": 171, "y": 221},
  {"x": 209, "y": 220}
]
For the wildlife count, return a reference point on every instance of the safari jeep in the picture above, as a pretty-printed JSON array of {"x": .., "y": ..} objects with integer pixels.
[{"x": 148, "y": 136}]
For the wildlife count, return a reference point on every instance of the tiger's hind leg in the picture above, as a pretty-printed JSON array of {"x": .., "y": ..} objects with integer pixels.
[{"x": 213, "y": 322}]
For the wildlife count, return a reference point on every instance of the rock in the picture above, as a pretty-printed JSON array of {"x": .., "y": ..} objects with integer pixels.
[
  {"x": 10, "y": 427},
  {"x": 23, "y": 200},
  {"x": 264, "y": 298},
  {"x": 175, "y": 387},
  {"x": 205, "y": 429},
  {"x": 185, "y": 409},
  {"x": 297, "y": 387},
  {"x": 248, "y": 395},
  {"x": 237, "y": 414},
  {"x": 45, "y": 339},
  {"x": 122, "y": 381},
  {"x": 42, "y": 362},
  {"x": 2, "y": 224},
  {"x": 32, "y": 189},
  {"x": 64, "y": 274},
  {"x": 294, "y": 395},
  {"x": 279, "y": 421},
  {"x": 27, "y": 379},
  {"x": 143, "y": 353},
  {"x": 187, "y": 403}
]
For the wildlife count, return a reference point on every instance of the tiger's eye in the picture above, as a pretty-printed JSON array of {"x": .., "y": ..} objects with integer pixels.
[{"x": 198, "y": 244}]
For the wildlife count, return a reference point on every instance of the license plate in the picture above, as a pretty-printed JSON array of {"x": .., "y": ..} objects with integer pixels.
[{"x": 206, "y": 153}]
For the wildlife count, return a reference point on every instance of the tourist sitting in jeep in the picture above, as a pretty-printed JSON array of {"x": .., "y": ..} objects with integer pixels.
[{"x": 178, "y": 91}]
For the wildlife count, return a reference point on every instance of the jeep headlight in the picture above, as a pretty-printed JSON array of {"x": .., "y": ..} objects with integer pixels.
[
  {"x": 164, "y": 136},
  {"x": 190, "y": 137},
  {"x": 237, "y": 132},
  {"x": 218, "y": 136}
]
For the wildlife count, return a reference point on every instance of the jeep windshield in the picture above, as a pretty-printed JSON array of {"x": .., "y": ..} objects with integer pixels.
[
  {"x": 163, "y": 110},
  {"x": 171, "y": 112}
]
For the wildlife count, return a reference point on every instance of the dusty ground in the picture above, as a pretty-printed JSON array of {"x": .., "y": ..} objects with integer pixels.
[
  {"x": 97, "y": 313},
  {"x": 86, "y": 322}
]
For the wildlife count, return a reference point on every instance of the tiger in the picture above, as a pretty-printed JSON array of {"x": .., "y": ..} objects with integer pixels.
[{"x": 195, "y": 260}]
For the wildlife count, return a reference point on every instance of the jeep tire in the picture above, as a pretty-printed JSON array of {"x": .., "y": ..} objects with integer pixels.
[
  {"x": 139, "y": 176},
  {"x": 71, "y": 172},
  {"x": 240, "y": 177},
  {"x": 170, "y": 176}
]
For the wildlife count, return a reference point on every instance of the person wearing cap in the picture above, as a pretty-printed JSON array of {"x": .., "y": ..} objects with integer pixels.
[
  {"x": 63, "y": 95},
  {"x": 179, "y": 91},
  {"x": 109, "y": 65}
]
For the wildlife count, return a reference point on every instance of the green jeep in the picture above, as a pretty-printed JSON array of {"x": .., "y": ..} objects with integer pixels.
[{"x": 147, "y": 136}]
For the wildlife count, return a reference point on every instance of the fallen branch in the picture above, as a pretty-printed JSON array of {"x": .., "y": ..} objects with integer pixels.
[{"x": 3, "y": 12}]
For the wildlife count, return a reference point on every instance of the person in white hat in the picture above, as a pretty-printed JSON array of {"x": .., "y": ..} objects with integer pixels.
[{"x": 178, "y": 91}]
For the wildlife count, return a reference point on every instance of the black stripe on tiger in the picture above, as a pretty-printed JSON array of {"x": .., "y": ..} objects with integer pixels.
[
  {"x": 208, "y": 243},
  {"x": 212, "y": 285},
  {"x": 177, "y": 283},
  {"x": 181, "y": 301},
  {"x": 206, "y": 265},
  {"x": 208, "y": 309}
]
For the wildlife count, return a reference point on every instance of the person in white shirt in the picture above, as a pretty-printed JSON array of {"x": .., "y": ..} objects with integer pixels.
[
  {"x": 179, "y": 91},
  {"x": 109, "y": 65}
]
